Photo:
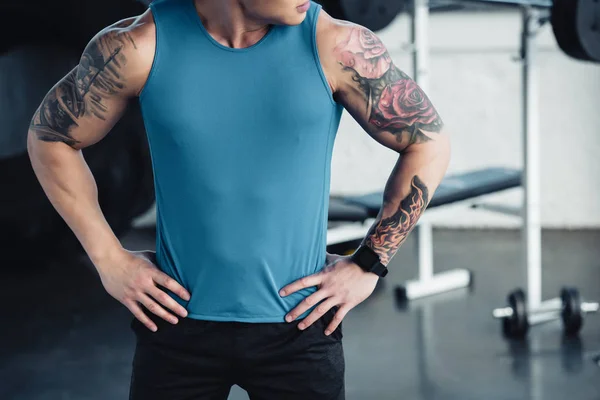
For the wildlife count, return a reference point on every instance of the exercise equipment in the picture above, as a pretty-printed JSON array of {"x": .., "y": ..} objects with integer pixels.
[
  {"x": 534, "y": 13},
  {"x": 532, "y": 19},
  {"x": 575, "y": 23},
  {"x": 454, "y": 188},
  {"x": 340, "y": 211},
  {"x": 373, "y": 14},
  {"x": 515, "y": 322},
  {"x": 569, "y": 307},
  {"x": 576, "y": 26},
  {"x": 30, "y": 63}
]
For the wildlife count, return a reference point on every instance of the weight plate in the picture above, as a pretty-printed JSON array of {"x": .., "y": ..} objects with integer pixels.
[
  {"x": 372, "y": 14},
  {"x": 572, "y": 315},
  {"x": 576, "y": 26},
  {"x": 563, "y": 25},
  {"x": 517, "y": 325},
  {"x": 588, "y": 28}
]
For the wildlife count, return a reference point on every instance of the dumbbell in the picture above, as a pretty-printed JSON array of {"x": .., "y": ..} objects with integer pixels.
[
  {"x": 574, "y": 310},
  {"x": 515, "y": 317}
]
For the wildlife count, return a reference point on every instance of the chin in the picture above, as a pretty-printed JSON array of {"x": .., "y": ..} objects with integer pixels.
[{"x": 294, "y": 19}]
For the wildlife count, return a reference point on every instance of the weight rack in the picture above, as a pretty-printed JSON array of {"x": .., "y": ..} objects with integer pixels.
[{"x": 534, "y": 14}]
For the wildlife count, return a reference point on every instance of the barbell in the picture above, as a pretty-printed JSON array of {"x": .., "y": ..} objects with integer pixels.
[{"x": 575, "y": 23}]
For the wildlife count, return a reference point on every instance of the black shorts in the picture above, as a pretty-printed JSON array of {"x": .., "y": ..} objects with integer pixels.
[{"x": 201, "y": 360}]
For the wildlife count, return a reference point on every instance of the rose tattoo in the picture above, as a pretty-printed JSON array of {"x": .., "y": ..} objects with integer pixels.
[
  {"x": 395, "y": 103},
  {"x": 403, "y": 104},
  {"x": 388, "y": 103},
  {"x": 364, "y": 52}
]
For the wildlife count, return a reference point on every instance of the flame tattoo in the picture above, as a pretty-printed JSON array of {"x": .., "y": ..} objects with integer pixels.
[{"x": 386, "y": 235}]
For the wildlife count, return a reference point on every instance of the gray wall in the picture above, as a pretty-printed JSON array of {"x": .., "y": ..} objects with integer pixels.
[{"x": 475, "y": 86}]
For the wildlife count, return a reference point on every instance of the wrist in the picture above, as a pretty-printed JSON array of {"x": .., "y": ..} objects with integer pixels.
[
  {"x": 104, "y": 258},
  {"x": 367, "y": 259}
]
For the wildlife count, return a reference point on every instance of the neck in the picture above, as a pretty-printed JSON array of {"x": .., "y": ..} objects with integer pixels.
[{"x": 229, "y": 23}]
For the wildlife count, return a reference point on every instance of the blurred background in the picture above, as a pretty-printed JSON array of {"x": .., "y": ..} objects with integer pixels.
[{"x": 420, "y": 336}]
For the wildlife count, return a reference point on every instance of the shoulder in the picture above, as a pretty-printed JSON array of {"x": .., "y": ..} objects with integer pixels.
[
  {"x": 126, "y": 47},
  {"x": 345, "y": 44},
  {"x": 329, "y": 29}
]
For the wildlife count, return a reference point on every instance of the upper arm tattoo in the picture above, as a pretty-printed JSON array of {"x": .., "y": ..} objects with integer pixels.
[
  {"x": 84, "y": 91},
  {"x": 394, "y": 102}
]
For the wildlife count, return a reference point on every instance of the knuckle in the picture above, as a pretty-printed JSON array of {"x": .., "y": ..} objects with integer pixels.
[
  {"x": 138, "y": 280},
  {"x": 163, "y": 297},
  {"x": 322, "y": 309},
  {"x": 129, "y": 293},
  {"x": 149, "y": 284},
  {"x": 308, "y": 300}
]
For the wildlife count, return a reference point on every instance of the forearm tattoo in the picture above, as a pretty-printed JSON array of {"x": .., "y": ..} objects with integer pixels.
[
  {"x": 394, "y": 102},
  {"x": 84, "y": 91},
  {"x": 387, "y": 234}
]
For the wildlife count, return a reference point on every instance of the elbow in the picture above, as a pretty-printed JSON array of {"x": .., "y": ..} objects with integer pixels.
[
  {"x": 39, "y": 155},
  {"x": 31, "y": 148},
  {"x": 443, "y": 150},
  {"x": 443, "y": 145}
]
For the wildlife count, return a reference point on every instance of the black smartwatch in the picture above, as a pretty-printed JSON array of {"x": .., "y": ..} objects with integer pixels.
[{"x": 369, "y": 261}]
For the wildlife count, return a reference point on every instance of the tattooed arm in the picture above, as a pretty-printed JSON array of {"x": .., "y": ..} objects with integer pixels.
[
  {"x": 394, "y": 110},
  {"x": 396, "y": 113},
  {"x": 78, "y": 112}
]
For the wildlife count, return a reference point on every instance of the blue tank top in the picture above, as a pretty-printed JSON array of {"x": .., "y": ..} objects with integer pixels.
[{"x": 241, "y": 143}]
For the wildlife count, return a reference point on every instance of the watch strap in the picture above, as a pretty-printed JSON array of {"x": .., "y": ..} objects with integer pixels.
[{"x": 369, "y": 261}]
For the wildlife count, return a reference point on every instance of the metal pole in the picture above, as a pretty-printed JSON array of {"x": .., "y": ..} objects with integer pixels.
[
  {"x": 531, "y": 234},
  {"x": 424, "y": 232},
  {"x": 420, "y": 61},
  {"x": 420, "y": 43}
]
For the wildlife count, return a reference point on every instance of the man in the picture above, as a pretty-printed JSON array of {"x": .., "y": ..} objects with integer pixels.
[{"x": 242, "y": 100}]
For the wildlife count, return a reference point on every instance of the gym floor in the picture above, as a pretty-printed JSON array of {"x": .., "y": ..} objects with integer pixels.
[{"x": 63, "y": 337}]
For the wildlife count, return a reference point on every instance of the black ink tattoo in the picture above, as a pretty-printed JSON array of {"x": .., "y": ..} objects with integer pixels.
[
  {"x": 387, "y": 234},
  {"x": 84, "y": 91}
]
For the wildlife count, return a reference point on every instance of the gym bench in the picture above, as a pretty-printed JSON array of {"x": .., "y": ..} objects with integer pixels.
[{"x": 361, "y": 212}]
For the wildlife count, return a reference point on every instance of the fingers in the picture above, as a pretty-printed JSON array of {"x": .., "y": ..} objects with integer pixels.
[
  {"x": 167, "y": 301},
  {"x": 306, "y": 282},
  {"x": 337, "y": 319},
  {"x": 305, "y": 304},
  {"x": 166, "y": 281},
  {"x": 136, "y": 310},
  {"x": 156, "y": 309},
  {"x": 317, "y": 313}
]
